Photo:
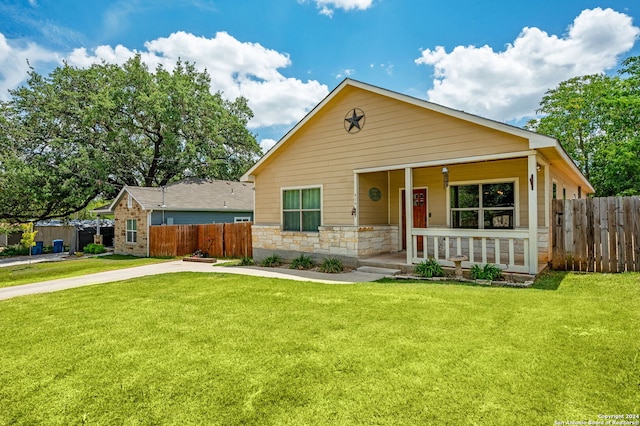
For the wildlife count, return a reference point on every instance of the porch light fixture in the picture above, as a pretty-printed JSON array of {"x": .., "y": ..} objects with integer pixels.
[{"x": 445, "y": 176}]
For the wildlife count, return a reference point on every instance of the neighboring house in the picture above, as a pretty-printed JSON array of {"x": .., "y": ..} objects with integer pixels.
[
  {"x": 335, "y": 184},
  {"x": 192, "y": 201}
]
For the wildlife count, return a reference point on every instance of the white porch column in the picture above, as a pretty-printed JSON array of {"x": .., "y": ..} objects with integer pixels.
[
  {"x": 547, "y": 208},
  {"x": 532, "y": 186},
  {"x": 356, "y": 199},
  {"x": 408, "y": 203}
]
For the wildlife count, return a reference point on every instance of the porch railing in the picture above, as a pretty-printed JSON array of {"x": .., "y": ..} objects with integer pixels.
[{"x": 509, "y": 249}]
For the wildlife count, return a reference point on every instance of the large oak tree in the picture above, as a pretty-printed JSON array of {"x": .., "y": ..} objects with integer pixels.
[{"x": 82, "y": 132}]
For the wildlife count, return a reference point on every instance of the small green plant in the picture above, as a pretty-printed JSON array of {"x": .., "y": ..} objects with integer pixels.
[
  {"x": 272, "y": 261},
  {"x": 331, "y": 266},
  {"x": 94, "y": 248},
  {"x": 302, "y": 262},
  {"x": 246, "y": 261},
  {"x": 489, "y": 272},
  {"x": 429, "y": 268}
]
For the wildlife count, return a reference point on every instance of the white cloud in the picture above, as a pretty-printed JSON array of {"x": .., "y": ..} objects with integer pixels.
[
  {"x": 508, "y": 85},
  {"x": 327, "y": 7},
  {"x": 15, "y": 59},
  {"x": 346, "y": 4},
  {"x": 346, "y": 73},
  {"x": 236, "y": 69},
  {"x": 267, "y": 144}
]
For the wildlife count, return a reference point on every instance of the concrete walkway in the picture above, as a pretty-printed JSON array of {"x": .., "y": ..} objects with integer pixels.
[
  {"x": 25, "y": 260},
  {"x": 181, "y": 266}
]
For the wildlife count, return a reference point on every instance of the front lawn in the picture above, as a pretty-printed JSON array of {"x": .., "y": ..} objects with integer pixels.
[
  {"x": 224, "y": 349},
  {"x": 44, "y": 271}
]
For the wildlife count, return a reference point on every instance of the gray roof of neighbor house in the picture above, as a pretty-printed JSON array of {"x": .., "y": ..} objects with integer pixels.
[{"x": 190, "y": 195}]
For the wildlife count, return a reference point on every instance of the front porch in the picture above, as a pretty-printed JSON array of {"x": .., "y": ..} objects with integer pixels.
[{"x": 490, "y": 211}]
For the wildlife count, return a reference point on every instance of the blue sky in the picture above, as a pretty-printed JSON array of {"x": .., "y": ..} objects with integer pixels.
[{"x": 494, "y": 59}]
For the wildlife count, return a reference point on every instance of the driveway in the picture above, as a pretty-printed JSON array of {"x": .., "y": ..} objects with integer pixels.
[{"x": 181, "y": 266}]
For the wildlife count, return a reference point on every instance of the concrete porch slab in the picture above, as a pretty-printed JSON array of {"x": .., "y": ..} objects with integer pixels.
[{"x": 378, "y": 270}]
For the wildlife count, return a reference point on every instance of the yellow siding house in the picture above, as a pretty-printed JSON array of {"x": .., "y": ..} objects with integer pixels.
[{"x": 335, "y": 185}]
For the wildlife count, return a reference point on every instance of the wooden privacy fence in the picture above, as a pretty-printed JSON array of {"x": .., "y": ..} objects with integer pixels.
[
  {"x": 596, "y": 234},
  {"x": 217, "y": 239}
]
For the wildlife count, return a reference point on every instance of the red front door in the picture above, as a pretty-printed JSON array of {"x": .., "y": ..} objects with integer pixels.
[{"x": 419, "y": 214}]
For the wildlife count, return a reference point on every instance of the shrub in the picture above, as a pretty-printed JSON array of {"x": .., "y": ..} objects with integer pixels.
[
  {"x": 488, "y": 272},
  {"x": 28, "y": 239},
  {"x": 429, "y": 268},
  {"x": 272, "y": 261},
  {"x": 246, "y": 261},
  {"x": 94, "y": 248},
  {"x": 302, "y": 262},
  {"x": 331, "y": 266},
  {"x": 15, "y": 250}
]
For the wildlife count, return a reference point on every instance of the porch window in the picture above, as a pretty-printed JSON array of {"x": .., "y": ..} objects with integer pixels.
[
  {"x": 483, "y": 206},
  {"x": 301, "y": 209},
  {"x": 132, "y": 230}
]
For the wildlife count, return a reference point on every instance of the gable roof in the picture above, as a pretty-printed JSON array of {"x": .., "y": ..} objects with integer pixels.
[
  {"x": 191, "y": 195},
  {"x": 536, "y": 140}
]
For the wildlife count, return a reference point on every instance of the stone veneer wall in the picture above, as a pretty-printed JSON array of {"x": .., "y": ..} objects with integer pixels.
[
  {"x": 121, "y": 214},
  {"x": 347, "y": 243}
]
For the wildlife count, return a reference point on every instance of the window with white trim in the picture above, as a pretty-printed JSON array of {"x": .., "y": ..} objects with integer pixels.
[
  {"x": 132, "y": 231},
  {"x": 483, "y": 205},
  {"x": 301, "y": 209}
]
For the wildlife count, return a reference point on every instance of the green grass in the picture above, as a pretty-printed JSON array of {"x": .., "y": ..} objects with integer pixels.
[
  {"x": 224, "y": 349},
  {"x": 43, "y": 271}
]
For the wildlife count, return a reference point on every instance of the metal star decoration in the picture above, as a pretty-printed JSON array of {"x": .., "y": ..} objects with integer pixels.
[{"x": 354, "y": 120}]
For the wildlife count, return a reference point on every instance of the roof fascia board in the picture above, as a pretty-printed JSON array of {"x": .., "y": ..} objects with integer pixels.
[
  {"x": 573, "y": 167},
  {"x": 116, "y": 200},
  {"x": 137, "y": 201},
  {"x": 475, "y": 159},
  {"x": 248, "y": 176},
  {"x": 192, "y": 209}
]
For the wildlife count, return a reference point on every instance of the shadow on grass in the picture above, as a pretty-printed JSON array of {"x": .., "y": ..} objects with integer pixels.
[
  {"x": 549, "y": 280},
  {"x": 428, "y": 282},
  {"x": 116, "y": 257}
]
